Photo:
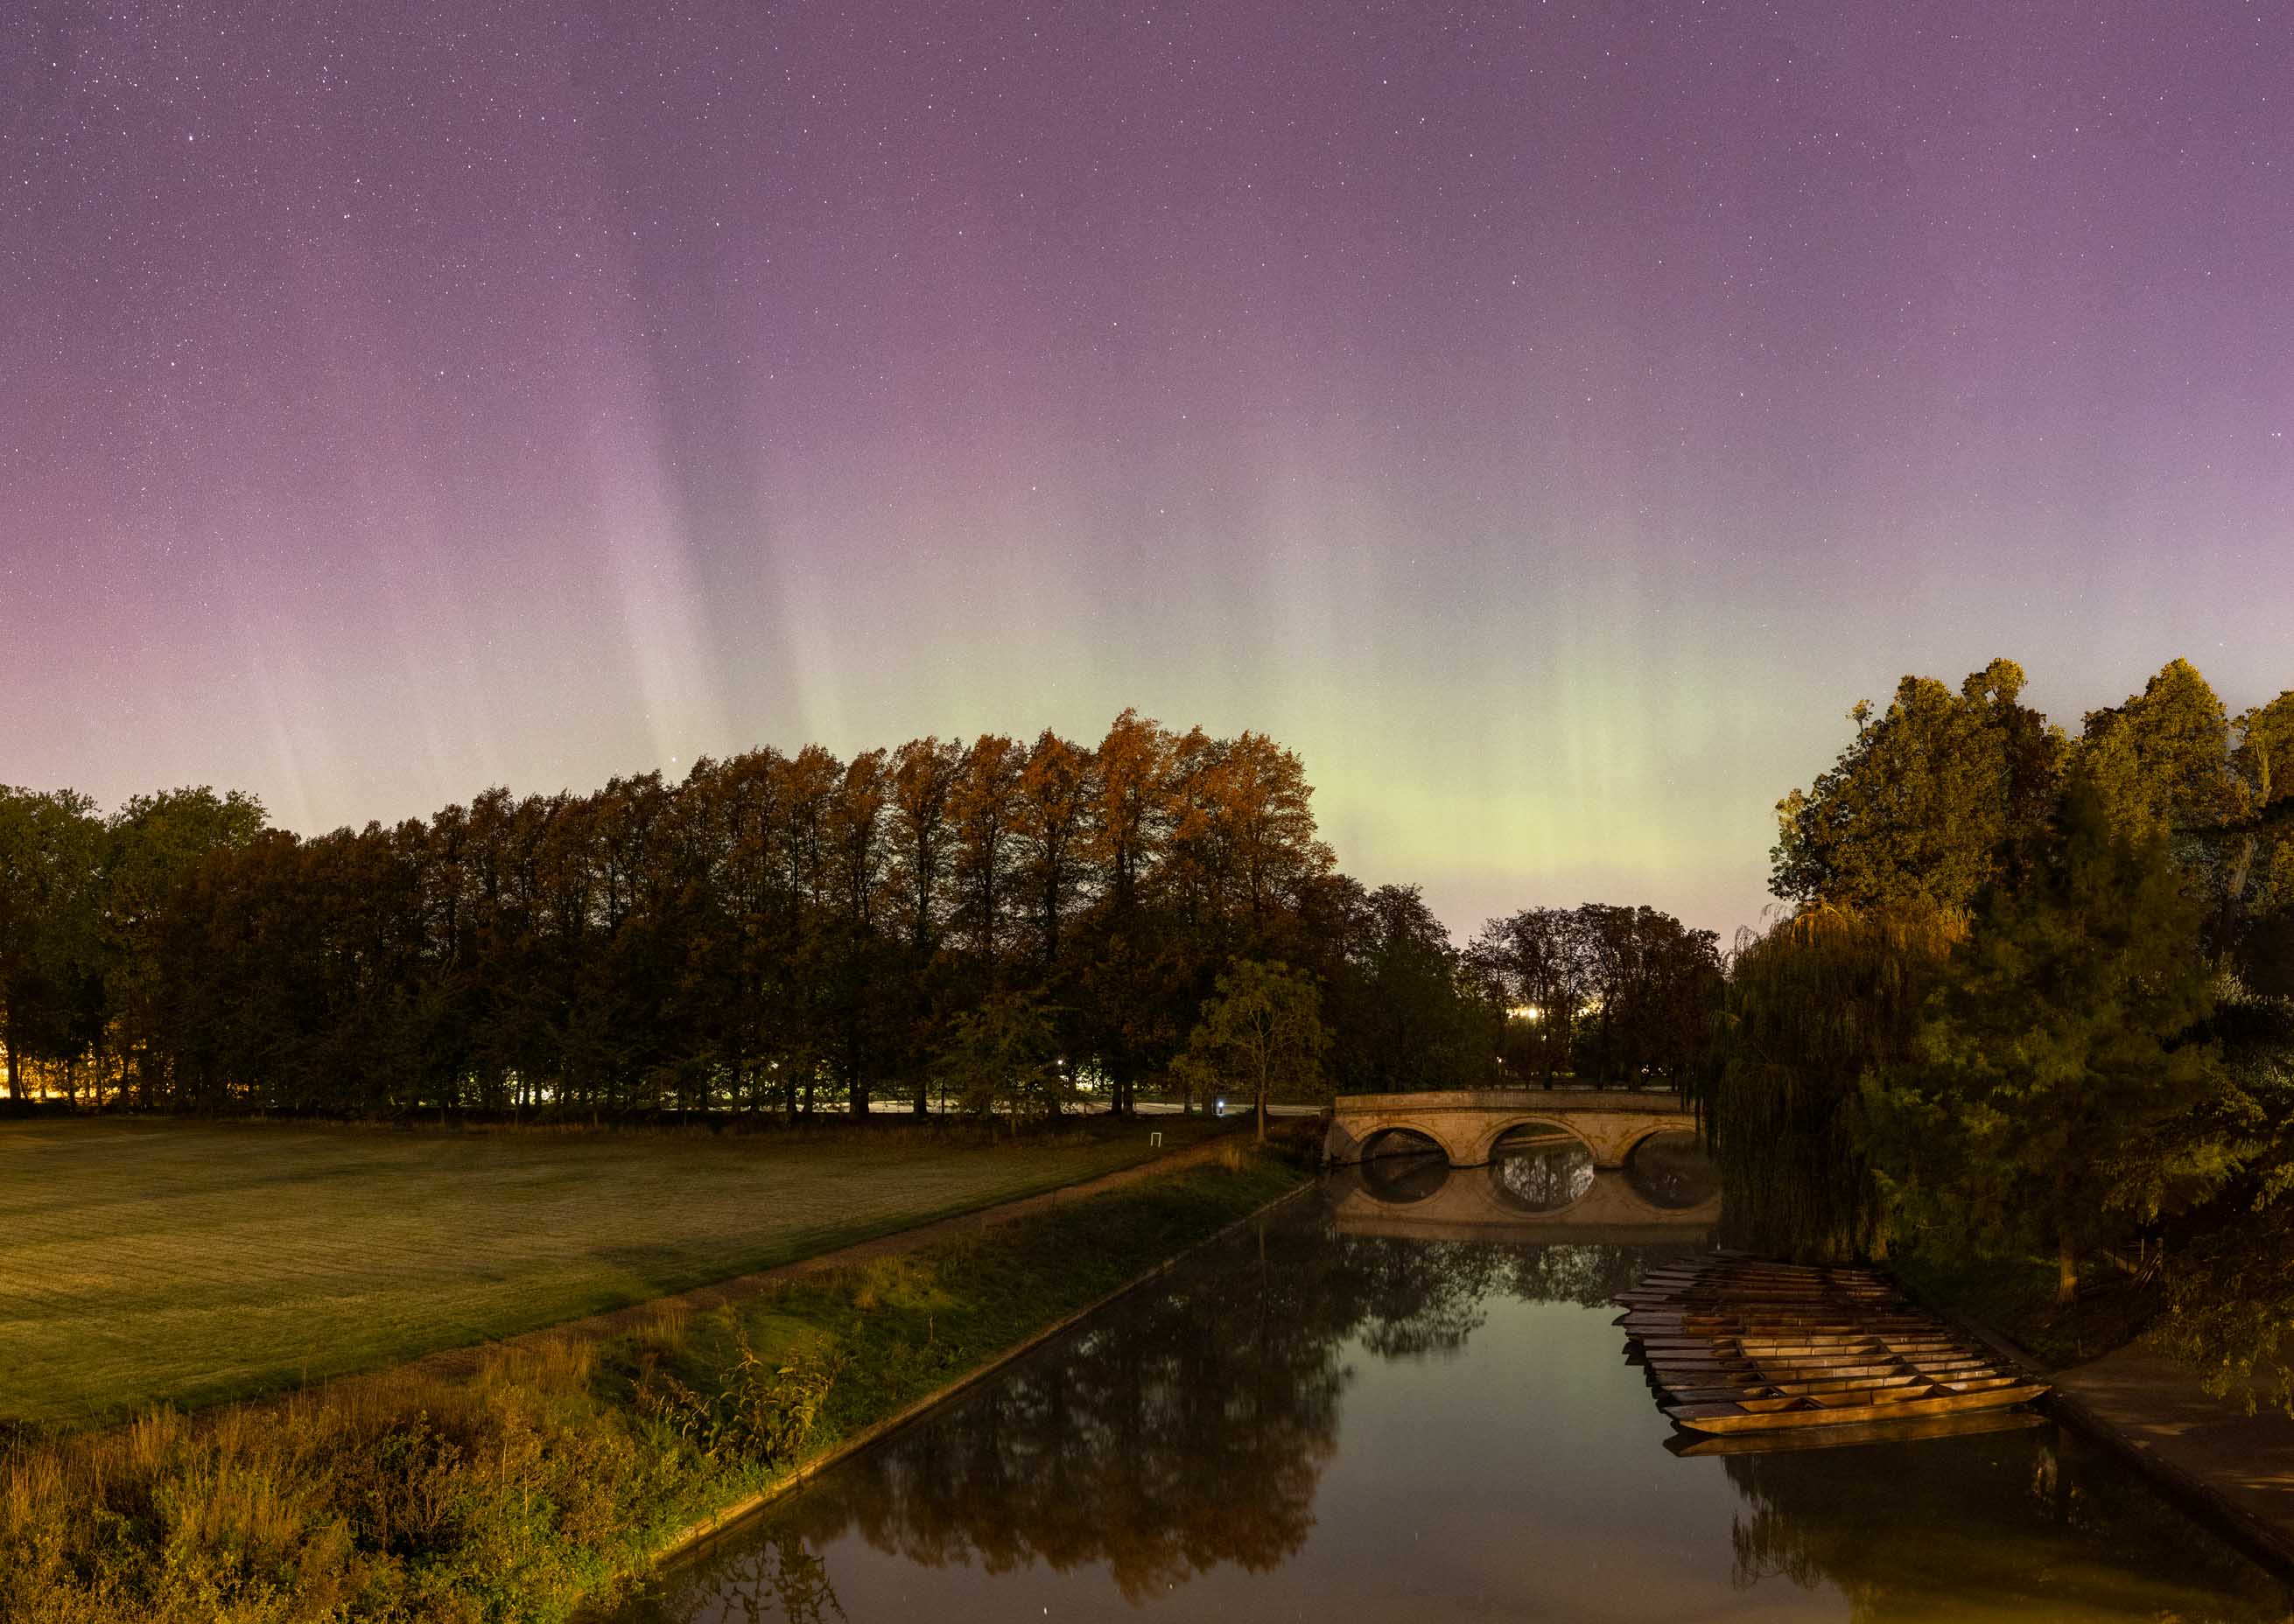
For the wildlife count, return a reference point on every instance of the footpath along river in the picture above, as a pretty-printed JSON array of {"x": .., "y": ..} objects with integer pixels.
[{"x": 1403, "y": 1399}]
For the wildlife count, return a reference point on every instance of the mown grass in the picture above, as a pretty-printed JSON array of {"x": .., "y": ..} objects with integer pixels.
[
  {"x": 550, "y": 1477},
  {"x": 185, "y": 1262}
]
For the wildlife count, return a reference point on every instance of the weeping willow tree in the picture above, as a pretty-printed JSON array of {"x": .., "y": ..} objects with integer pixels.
[{"x": 1822, "y": 999}]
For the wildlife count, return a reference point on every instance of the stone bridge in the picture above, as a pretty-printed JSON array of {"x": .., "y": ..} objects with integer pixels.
[{"x": 1466, "y": 1126}]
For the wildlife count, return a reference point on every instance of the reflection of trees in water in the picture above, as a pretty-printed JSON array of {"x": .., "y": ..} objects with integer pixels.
[
  {"x": 1412, "y": 1299},
  {"x": 1917, "y": 1530},
  {"x": 1402, "y": 1178},
  {"x": 1672, "y": 1170},
  {"x": 774, "y": 1576},
  {"x": 1188, "y": 1427},
  {"x": 1541, "y": 1178},
  {"x": 1588, "y": 1276}
]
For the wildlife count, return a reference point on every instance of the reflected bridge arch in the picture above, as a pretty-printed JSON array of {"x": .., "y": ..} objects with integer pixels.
[
  {"x": 1467, "y": 1204},
  {"x": 1401, "y": 1167}
]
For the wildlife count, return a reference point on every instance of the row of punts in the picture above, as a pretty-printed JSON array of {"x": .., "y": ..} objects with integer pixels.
[{"x": 1740, "y": 1345}]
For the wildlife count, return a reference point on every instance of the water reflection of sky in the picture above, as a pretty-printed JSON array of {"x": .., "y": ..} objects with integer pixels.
[{"x": 1311, "y": 1425}]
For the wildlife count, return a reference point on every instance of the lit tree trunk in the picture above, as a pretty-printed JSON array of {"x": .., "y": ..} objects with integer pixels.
[{"x": 2066, "y": 1269}]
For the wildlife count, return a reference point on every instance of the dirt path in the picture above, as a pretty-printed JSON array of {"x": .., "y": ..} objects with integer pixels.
[{"x": 455, "y": 1362}]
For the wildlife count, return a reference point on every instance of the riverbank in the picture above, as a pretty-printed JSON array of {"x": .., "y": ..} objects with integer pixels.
[
  {"x": 544, "y": 1473},
  {"x": 2236, "y": 1467},
  {"x": 2209, "y": 1451}
]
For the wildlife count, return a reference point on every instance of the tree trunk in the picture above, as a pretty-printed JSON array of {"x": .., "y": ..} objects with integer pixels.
[
  {"x": 2066, "y": 1269},
  {"x": 1261, "y": 1115}
]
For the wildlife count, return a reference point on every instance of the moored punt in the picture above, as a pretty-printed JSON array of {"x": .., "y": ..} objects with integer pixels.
[
  {"x": 1801, "y": 1412},
  {"x": 1780, "y": 1347},
  {"x": 1722, "y": 1394},
  {"x": 1692, "y": 1358},
  {"x": 1911, "y": 1358},
  {"x": 1734, "y": 1345},
  {"x": 1717, "y": 1359},
  {"x": 1871, "y": 1390},
  {"x": 1771, "y": 1439}
]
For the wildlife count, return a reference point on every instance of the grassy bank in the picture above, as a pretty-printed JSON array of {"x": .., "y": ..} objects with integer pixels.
[
  {"x": 2016, "y": 1297},
  {"x": 188, "y": 1263},
  {"x": 534, "y": 1485}
]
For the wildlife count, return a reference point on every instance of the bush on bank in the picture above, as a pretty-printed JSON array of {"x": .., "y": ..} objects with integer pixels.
[{"x": 557, "y": 1471}]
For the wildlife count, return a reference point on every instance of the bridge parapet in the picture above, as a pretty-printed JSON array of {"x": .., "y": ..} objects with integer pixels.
[{"x": 1467, "y": 1125}]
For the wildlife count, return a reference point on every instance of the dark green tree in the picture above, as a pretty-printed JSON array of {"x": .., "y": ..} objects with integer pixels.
[
  {"x": 2160, "y": 763},
  {"x": 1260, "y": 1037},
  {"x": 1938, "y": 797},
  {"x": 1403, "y": 1009},
  {"x": 1824, "y": 999},
  {"x": 2228, "y": 1279},
  {"x": 1537, "y": 970},
  {"x": 50, "y": 853},
  {"x": 1651, "y": 988},
  {"x": 1004, "y": 1057},
  {"x": 159, "y": 844},
  {"x": 2060, "y": 1096}
]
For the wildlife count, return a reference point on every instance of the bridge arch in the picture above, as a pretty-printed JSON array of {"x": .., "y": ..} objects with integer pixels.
[
  {"x": 1634, "y": 1142},
  {"x": 1538, "y": 1178},
  {"x": 1484, "y": 1146},
  {"x": 1380, "y": 1141}
]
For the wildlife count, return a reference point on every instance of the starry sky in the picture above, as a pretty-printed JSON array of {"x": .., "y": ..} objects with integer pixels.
[{"x": 1548, "y": 418}]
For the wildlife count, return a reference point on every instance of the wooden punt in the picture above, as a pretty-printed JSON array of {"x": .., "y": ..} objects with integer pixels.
[
  {"x": 1787, "y": 1317},
  {"x": 1725, "y": 1395},
  {"x": 1737, "y": 1417},
  {"x": 1771, "y": 1439},
  {"x": 1869, "y": 1390},
  {"x": 1939, "y": 1354},
  {"x": 1692, "y": 1358},
  {"x": 1763, "y": 1347},
  {"x": 1735, "y": 1344},
  {"x": 1841, "y": 1375}
]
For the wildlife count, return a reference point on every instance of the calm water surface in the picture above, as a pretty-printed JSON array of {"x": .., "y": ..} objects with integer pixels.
[{"x": 1402, "y": 1399}]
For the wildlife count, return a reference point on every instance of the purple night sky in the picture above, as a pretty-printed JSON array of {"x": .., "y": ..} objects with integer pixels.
[{"x": 1547, "y": 420}]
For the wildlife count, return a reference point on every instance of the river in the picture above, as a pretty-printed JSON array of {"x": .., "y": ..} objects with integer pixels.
[{"x": 1403, "y": 1399}]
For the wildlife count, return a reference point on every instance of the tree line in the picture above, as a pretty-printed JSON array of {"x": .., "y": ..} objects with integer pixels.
[
  {"x": 997, "y": 924},
  {"x": 2036, "y": 995}
]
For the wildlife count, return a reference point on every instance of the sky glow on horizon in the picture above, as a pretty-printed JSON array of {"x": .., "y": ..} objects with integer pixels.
[{"x": 1549, "y": 425}]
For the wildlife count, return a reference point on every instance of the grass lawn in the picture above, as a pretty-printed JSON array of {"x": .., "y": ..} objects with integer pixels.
[
  {"x": 142, "y": 1262},
  {"x": 535, "y": 1484}
]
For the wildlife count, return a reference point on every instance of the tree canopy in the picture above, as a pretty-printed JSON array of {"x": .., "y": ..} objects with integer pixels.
[
  {"x": 2086, "y": 1047},
  {"x": 790, "y": 932},
  {"x": 1261, "y": 1036},
  {"x": 2059, "y": 1090},
  {"x": 1939, "y": 796}
]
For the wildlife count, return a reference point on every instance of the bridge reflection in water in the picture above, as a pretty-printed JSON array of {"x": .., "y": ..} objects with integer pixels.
[{"x": 1539, "y": 1187}]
